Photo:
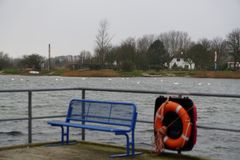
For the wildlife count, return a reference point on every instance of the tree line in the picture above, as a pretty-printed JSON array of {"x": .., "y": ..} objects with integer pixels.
[
  {"x": 156, "y": 51},
  {"x": 144, "y": 53}
]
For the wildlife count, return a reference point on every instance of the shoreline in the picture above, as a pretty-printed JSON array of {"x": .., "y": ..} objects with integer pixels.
[{"x": 136, "y": 73}]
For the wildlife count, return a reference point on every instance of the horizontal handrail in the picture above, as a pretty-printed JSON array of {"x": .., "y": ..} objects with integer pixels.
[
  {"x": 202, "y": 127},
  {"x": 26, "y": 118},
  {"x": 126, "y": 91},
  {"x": 219, "y": 129},
  {"x": 138, "y": 121}
]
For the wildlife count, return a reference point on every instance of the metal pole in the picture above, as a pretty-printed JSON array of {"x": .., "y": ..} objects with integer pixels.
[
  {"x": 29, "y": 117},
  {"x": 83, "y": 112},
  {"x": 49, "y": 57}
]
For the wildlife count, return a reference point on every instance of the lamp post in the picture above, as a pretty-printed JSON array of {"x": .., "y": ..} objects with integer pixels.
[{"x": 49, "y": 57}]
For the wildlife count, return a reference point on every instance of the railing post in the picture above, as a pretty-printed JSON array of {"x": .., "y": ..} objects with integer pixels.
[
  {"x": 83, "y": 111},
  {"x": 29, "y": 117}
]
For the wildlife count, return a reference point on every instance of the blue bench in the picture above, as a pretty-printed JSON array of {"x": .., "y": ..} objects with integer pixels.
[{"x": 117, "y": 117}]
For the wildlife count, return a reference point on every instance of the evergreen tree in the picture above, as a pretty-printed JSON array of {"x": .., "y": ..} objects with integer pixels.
[
  {"x": 157, "y": 55},
  {"x": 200, "y": 56}
]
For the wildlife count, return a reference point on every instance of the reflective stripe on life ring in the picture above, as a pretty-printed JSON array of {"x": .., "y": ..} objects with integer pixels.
[{"x": 183, "y": 115}]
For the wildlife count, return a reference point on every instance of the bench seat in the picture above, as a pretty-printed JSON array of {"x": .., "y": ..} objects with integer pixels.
[{"x": 90, "y": 127}]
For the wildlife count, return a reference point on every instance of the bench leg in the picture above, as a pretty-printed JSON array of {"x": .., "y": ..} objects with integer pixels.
[
  {"x": 132, "y": 143},
  {"x": 65, "y": 134},
  {"x": 127, "y": 154},
  {"x": 62, "y": 135},
  {"x": 127, "y": 147},
  {"x": 127, "y": 144}
]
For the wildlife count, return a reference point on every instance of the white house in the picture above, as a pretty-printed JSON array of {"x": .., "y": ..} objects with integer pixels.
[
  {"x": 181, "y": 63},
  {"x": 233, "y": 65}
]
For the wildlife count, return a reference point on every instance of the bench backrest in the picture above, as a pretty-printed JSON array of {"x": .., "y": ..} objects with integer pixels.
[{"x": 104, "y": 112}]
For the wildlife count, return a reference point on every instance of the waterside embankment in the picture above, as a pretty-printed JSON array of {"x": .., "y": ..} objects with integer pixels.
[{"x": 135, "y": 73}]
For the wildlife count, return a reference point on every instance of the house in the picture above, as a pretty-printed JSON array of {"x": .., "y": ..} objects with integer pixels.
[
  {"x": 179, "y": 61},
  {"x": 233, "y": 65}
]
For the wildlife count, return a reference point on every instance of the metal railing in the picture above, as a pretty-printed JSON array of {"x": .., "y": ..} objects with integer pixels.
[{"x": 30, "y": 91}]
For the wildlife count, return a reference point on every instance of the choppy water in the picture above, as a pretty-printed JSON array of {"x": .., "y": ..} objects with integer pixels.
[{"x": 217, "y": 112}]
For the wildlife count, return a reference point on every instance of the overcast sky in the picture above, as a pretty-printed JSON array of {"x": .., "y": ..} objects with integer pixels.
[{"x": 27, "y": 26}]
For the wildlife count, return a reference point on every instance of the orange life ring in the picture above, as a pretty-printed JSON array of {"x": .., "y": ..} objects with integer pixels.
[{"x": 183, "y": 115}]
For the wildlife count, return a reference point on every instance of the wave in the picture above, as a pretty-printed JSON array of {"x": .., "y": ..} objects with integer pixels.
[{"x": 12, "y": 133}]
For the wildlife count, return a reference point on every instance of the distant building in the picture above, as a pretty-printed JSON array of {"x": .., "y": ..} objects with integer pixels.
[
  {"x": 60, "y": 59},
  {"x": 69, "y": 58},
  {"x": 179, "y": 62}
]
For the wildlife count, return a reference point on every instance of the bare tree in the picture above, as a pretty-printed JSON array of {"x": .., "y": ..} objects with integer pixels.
[
  {"x": 85, "y": 57},
  {"x": 205, "y": 43},
  {"x": 175, "y": 41},
  {"x": 233, "y": 41},
  {"x": 144, "y": 43},
  {"x": 103, "y": 40}
]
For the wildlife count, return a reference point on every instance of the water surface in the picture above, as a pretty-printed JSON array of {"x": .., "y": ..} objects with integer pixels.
[{"x": 216, "y": 112}]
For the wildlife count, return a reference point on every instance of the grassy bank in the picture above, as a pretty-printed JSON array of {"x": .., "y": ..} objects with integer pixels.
[
  {"x": 151, "y": 73},
  {"x": 135, "y": 73},
  {"x": 196, "y": 74},
  {"x": 92, "y": 73}
]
